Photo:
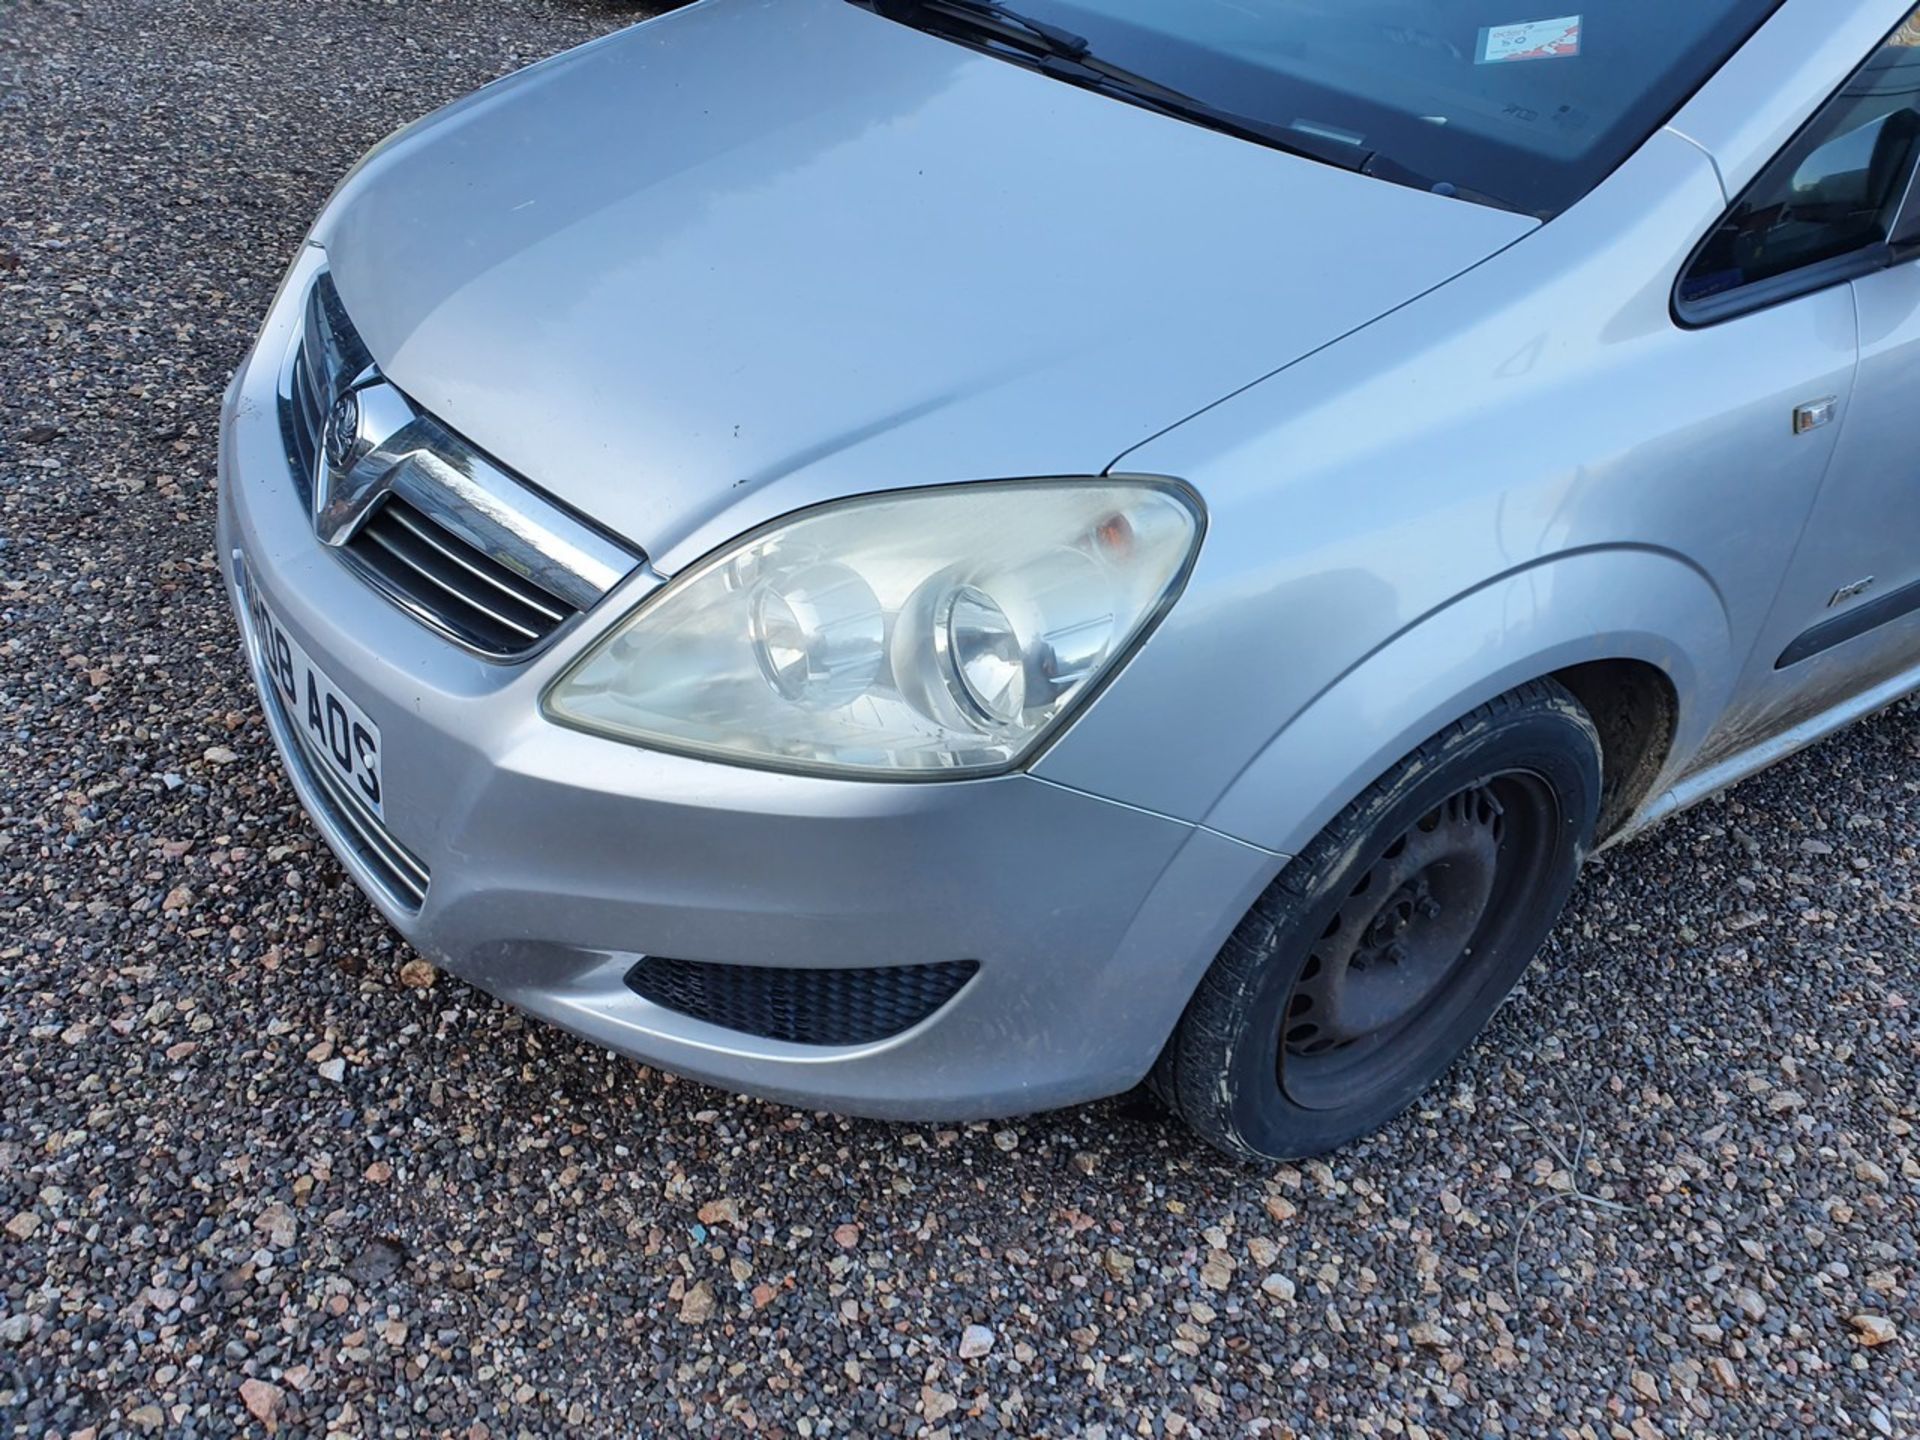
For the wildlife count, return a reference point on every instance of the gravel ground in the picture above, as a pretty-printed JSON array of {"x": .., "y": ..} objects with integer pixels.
[{"x": 253, "y": 1173}]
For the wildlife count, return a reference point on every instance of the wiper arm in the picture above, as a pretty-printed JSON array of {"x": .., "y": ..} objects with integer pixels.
[
  {"x": 1070, "y": 57},
  {"x": 1053, "y": 39},
  {"x": 1344, "y": 154}
]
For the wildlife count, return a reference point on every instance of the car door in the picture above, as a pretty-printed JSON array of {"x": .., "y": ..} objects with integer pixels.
[{"x": 1837, "y": 208}]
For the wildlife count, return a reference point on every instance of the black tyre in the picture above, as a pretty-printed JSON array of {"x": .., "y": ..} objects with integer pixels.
[{"x": 1384, "y": 948}]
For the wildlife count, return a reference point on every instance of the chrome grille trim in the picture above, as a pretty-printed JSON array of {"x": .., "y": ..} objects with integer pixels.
[
  {"x": 464, "y": 546},
  {"x": 527, "y": 594},
  {"x": 483, "y": 613}
]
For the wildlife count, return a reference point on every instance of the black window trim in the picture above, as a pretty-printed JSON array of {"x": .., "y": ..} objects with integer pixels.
[
  {"x": 1901, "y": 246},
  {"x": 1765, "y": 294}
]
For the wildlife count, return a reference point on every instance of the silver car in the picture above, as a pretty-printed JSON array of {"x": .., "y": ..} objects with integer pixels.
[{"x": 938, "y": 559}]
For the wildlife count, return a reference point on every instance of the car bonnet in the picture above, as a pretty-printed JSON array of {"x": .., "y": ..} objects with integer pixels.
[{"x": 749, "y": 256}]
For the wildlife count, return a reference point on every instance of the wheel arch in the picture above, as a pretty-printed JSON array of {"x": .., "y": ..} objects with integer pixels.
[
  {"x": 1635, "y": 707},
  {"x": 1640, "y": 636}
]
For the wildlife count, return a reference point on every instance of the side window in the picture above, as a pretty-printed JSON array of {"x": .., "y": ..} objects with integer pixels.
[{"x": 1830, "y": 195}]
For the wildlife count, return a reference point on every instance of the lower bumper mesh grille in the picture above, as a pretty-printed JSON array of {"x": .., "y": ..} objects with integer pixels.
[{"x": 802, "y": 1007}]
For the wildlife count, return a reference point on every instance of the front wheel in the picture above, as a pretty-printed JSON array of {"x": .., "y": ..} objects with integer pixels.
[{"x": 1383, "y": 949}]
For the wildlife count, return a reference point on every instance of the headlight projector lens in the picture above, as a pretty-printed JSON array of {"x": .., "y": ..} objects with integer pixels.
[
  {"x": 818, "y": 636},
  {"x": 986, "y": 667}
]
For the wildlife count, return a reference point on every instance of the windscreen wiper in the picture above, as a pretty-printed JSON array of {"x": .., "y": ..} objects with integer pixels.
[
  {"x": 1056, "y": 41},
  {"x": 1066, "y": 56},
  {"x": 1071, "y": 57}
]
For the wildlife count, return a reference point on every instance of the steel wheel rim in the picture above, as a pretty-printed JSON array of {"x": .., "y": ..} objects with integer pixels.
[{"x": 1420, "y": 921}]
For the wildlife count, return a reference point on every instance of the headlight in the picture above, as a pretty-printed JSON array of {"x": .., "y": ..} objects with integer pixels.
[{"x": 919, "y": 633}]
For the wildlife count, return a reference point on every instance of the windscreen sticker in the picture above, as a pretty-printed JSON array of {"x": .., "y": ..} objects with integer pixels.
[{"x": 1529, "y": 40}]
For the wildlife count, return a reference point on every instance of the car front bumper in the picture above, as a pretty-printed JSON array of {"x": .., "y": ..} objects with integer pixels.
[{"x": 557, "y": 859}]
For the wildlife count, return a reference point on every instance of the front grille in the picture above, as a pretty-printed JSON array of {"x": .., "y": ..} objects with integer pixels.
[
  {"x": 456, "y": 541},
  {"x": 302, "y": 421},
  {"x": 327, "y": 359},
  {"x": 804, "y": 1007},
  {"x": 451, "y": 585}
]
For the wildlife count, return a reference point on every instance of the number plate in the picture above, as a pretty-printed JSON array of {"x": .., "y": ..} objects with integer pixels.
[{"x": 336, "y": 732}]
